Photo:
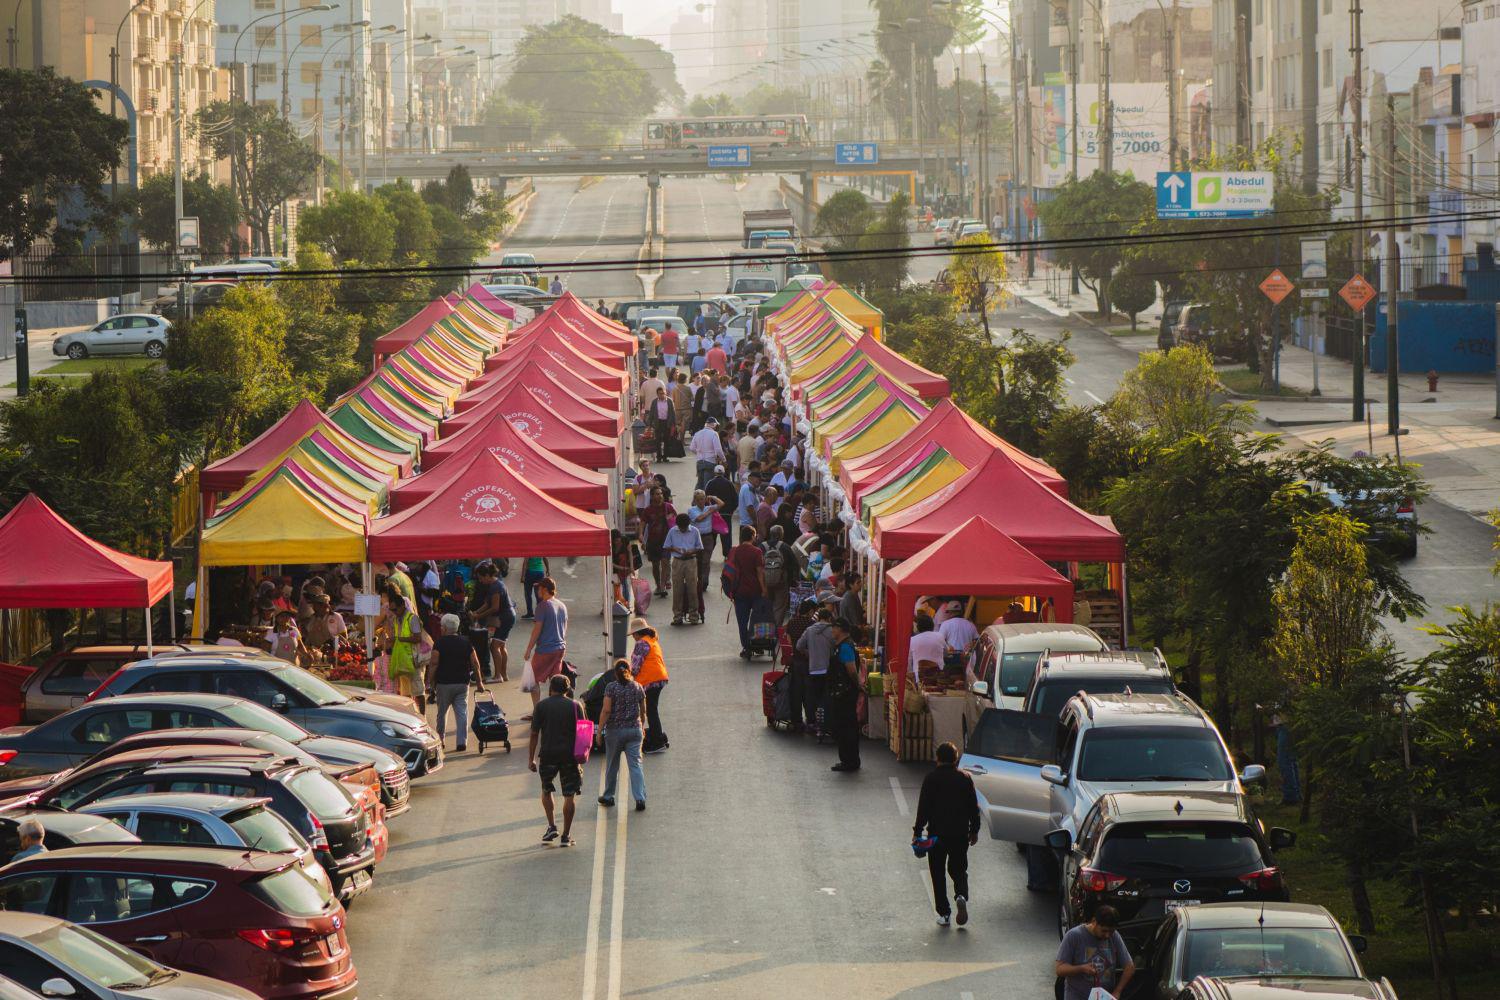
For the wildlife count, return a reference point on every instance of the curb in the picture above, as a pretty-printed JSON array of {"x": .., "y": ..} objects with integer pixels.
[{"x": 1260, "y": 398}]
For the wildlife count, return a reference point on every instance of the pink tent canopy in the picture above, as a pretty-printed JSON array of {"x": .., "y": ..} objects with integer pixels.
[
  {"x": 564, "y": 481},
  {"x": 413, "y": 329},
  {"x": 229, "y": 474},
  {"x": 554, "y": 433},
  {"x": 566, "y": 401},
  {"x": 51, "y": 564}
]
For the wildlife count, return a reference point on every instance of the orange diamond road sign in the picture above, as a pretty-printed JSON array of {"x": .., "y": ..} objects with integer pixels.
[
  {"x": 1357, "y": 292},
  {"x": 1277, "y": 286}
]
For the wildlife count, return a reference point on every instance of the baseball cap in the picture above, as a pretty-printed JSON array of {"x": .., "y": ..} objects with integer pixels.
[{"x": 718, "y": 468}]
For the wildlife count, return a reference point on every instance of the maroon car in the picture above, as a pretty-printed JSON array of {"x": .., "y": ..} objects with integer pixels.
[{"x": 253, "y": 918}]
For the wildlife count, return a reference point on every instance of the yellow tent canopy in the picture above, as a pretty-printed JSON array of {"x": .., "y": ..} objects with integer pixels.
[{"x": 282, "y": 524}]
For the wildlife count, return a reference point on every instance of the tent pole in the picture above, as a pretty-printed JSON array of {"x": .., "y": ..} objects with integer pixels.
[
  {"x": 150, "y": 645},
  {"x": 1124, "y": 607},
  {"x": 367, "y": 585},
  {"x": 609, "y": 609},
  {"x": 172, "y": 615}
]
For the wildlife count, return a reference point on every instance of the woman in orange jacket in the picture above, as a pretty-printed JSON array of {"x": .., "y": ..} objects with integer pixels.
[{"x": 650, "y": 670}]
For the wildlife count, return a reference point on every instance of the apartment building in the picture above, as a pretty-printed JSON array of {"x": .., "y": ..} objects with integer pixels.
[
  {"x": 1480, "y": 85},
  {"x": 739, "y": 46}
]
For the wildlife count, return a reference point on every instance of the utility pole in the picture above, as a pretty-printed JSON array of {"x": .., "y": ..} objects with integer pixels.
[
  {"x": 1356, "y": 49},
  {"x": 1241, "y": 82},
  {"x": 984, "y": 145},
  {"x": 1030, "y": 168},
  {"x": 958, "y": 104},
  {"x": 1171, "y": 32},
  {"x": 1392, "y": 278},
  {"x": 1106, "y": 108}
]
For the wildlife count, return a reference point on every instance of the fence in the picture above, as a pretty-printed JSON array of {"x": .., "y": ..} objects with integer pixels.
[{"x": 101, "y": 272}]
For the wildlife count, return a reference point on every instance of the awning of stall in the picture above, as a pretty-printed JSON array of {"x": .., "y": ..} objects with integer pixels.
[
  {"x": 960, "y": 435},
  {"x": 859, "y": 405},
  {"x": 910, "y": 482},
  {"x": 282, "y": 523},
  {"x": 51, "y": 564},
  {"x": 363, "y": 424},
  {"x": 553, "y": 330},
  {"x": 812, "y": 332},
  {"x": 518, "y": 405},
  {"x": 542, "y": 370},
  {"x": 424, "y": 396},
  {"x": 564, "y": 481},
  {"x": 566, "y": 401},
  {"x": 975, "y": 558},
  {"x": 779, "y": 301},
  {"x": 490, "y": 302},
  {"x": 852, "y": 307},
  {"x": 550, "y": 342},
  {"x": 319, "y": 454},
  {"x": 336, "y": 498},
  {"x": 1013, "y": 500},
  {"x": 485, "y": 511},
  {"x": 884, "y": 425},
  {"x": 595, "y": 326},
  {"x": 805, "y": 366},
  {"x": 930, "y": 384},
  {"x": 231, "y": 472},
  {"x": 412, "y": 330}
]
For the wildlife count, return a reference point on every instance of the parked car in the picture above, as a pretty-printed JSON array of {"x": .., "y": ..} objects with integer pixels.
[
  {"x": 520, "y": 294},
  {"x": 1148, "y": 854},
  {"x": 1003, "y": 663},
  {"x": 969, "y": 229},
  {"x": 317, "y": 806},
  {"x": 60, "y": 829},
  {"x": 68, "y": 788},
  {"x": 1259, "y": 951},
  {"x": 305, "y": 699},
  {"x": 70, "y": 739},
  {"x": 1036, "y": 773},
  {"x": 253, "y": 918},
  {"x": 1165, "y": 339},
  {"x": 67, "y": 678},
  {"x": 515, "y": 268},
  {"x": 400, "y": 702},
  {"x": 127, "y": 333},
  {"x": 201, "y": 295},
  {"x": 1390, "y": 516},
  {"x": 195, "y": 819},
  {"x": 45, "y": 956},
  {"x": 1059, "y": 676},
  {"x": 1192, "y": 325}
]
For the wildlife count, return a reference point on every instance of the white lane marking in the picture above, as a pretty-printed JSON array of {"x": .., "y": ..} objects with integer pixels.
[
  {"x": 617, "y": 900},
  {"x": 1095, "y": 398},
  {"x": 900, "y": 797},
  {"x": 596, "y": 891},
  {"x": 966, "y": 995}
]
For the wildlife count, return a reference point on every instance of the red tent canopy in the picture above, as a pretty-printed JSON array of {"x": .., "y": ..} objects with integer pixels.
[
  {"x": 566, "y": 401},
  {"x": 1012, "y": 499},
  {"x": 488, "y": 511},
  {"x": 596, "y": 327},
  {"x": 486, "y": 298},
  {"x": 977, "y": 559},
  {"x": 589, "y": 342},
  {"x": 229, "y": 474},
  {"x": 958, "y": 434},
  {"x": 552, "y": 432},
  {"x": 564, "y": 481},
  {"x": 549, "y": 346},
  {"x": 409, "y": 332},
  {"x": 539, "y": 369},
  {"x": 930, "y": 384},
  {"x": 51, "y": 564}
]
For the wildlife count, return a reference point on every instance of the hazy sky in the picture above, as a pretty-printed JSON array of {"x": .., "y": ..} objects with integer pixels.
[{"x": 650, "y": 17}]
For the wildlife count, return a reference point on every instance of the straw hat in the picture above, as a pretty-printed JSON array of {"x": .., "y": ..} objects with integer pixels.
[{"x": 638, "y": 625}]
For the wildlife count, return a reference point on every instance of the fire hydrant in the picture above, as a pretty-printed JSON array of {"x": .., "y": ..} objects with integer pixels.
[{"x": 1432, "y": 381}]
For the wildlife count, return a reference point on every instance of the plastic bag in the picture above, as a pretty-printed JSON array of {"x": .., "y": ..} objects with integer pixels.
[{"x": 528, "y": 678}]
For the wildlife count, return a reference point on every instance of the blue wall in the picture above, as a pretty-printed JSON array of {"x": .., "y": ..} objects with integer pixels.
[{"x": 1440, "y": 336}]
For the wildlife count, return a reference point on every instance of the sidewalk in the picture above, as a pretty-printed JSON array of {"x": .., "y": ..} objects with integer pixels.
[
  {"x": 40, "y": 355},
  {"x": 1453, "y": 433}
]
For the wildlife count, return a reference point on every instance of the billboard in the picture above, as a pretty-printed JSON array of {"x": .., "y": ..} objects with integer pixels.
[{"x": 1142, "y": 139}]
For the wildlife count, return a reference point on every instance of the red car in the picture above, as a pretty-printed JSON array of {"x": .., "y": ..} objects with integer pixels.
[{"x": 252, "y": 918}]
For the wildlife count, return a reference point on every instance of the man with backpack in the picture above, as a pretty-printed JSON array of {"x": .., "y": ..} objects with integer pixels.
[
  {"x": 744, "y": 581},
  {"x": 842, "y": 695},
  {"x": 780, "y": 568}
]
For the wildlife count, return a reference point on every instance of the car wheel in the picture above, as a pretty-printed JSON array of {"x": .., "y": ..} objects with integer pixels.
[
  {"x": 155, "y": 349},
  {"x": 77, "y": 352}
]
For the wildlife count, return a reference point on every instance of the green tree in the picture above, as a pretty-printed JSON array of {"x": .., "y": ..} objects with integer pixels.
[
  {"x": 1090, "y": 449},
  {"x": 415, "y": 235},
  {"x": 1170, "y": 395},
  {"x": 57, "y": 142},
  {"x": 155, "y": 209},
  {"x": 1095, "y": 211},
  {"x": 270, "y": 162},
  {"x": 708, "y": 105},
  {"x": 321, "y": 336},
  {"x": 766, "y": 99},
  {"x": 842, "y": 222},
  {"x": 656, "y": 62},
  {"x": 351, "y": 226},
  {"x": 1029, "y": 390},
  {"x": 1132, "y": 292},
  {"x": 977, "y": 273},
  {"x": 600, "y": 91},
  {"x": 1325, "y": 604},
  {"x": 457, "y": 246},
  {"x": 513, "y": 122},
  {"x": 885, "y": 264}
]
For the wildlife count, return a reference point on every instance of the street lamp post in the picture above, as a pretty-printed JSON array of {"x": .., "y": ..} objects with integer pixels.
[
  {"x": 114, "y": 84},
  {"x": 13, "y": 34},
  {"x": 177, "y": 114}
]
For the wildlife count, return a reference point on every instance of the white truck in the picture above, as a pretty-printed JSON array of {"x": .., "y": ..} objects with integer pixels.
[{"x": 757, "y": 271}]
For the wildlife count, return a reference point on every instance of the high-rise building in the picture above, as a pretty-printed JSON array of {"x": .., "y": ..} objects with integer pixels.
[
  {"x": 690, "y": 40},
  {"x": 739, "y": 47}
]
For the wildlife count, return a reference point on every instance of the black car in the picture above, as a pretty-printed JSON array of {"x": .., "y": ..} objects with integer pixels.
[
  {"x": 302, "y": 697},
  {"x": 60, "y": 829},
  {"x": 75, "y": 736},
  {"x": 69, "y": 788},
  {"x": 1229, "y": 951},
  {"x": 320, "y": 808},
  {"x": 1149, "y": 854}
]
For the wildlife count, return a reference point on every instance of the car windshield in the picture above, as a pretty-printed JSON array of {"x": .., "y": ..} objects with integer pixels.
[
  {"x": 1053, "y": 694},
  {"x": 1016, "y": 670},
  {"x": 314, "y": 689},
  {"x": 1154, "y": 753},
  {"x": 248, "y": 715},
  {"x": 263, "y": 830},
  {"x": 1143, "y": 849},
  {"x": 517, "y": 259},
  {"x": 1269, "y": 951},
  {"x": 96, "y": 958},
  {"x": 292, "y": 891},
  {"x": 755, "y": 285},
  {"x": 324, "y": 796}
]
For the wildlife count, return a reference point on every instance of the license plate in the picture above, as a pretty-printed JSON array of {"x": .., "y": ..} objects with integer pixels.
[
  {"x": 1177, "y": 904},
  {"x": 331, "y": 942}
]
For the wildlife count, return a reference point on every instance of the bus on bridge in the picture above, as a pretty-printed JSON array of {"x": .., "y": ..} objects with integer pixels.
[{"x": 764, "y": 131}]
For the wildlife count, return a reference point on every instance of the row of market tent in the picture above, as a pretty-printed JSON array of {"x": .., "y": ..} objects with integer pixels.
[
  {"x": 482, "y": 432},
  {"x": 933, "y": 502}
]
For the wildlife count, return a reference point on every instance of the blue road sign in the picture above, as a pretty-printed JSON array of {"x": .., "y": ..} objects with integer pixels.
[
  {"x": 728, "y": 156},
  {"x": 856, "y": 153},
  {"x": 1241, "y": 194}
]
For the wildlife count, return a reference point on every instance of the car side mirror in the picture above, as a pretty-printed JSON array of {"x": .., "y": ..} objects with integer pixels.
[
  {"x": 1282, "y": 838},
  {"x": 1252, "y": 774},
  {"x": 279, "y": 703},
  {"x": 981, "y": 688},
  {"x": 1059, "y": 840},
  {"x": 1359, "y": 943},
  {"x": 58, "y": 987},
  {"x": 1053, "y": 774}
]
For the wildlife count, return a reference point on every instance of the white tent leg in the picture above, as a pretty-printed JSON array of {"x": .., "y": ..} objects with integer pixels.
[
  {"x": 150, "y": 645},
  {"x": 172, "y": 615},
  {"x": 367, "y": 584}
]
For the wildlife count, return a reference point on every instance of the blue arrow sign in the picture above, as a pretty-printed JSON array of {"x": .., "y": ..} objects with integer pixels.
[
  {"x": 1240, "y": 194},
  {"x": 856, "y": 153},
  {"x": 728, "y": 156}
]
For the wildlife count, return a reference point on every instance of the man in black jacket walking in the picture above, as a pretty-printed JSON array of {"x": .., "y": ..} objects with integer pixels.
[{"x": 949, "y": 810}]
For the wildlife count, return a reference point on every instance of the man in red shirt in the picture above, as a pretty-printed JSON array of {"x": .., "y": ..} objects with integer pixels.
[
  {"x": 669, "y": 347},
  {"x": 717, "y": 359},
  {"x": 749, "y": 564}
]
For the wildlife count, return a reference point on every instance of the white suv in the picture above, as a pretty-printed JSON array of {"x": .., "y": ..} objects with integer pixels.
[{"x": 1036, "y": 773}]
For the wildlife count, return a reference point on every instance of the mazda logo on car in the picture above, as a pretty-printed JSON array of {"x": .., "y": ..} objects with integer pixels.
[{"x": 1181, "y": 886}]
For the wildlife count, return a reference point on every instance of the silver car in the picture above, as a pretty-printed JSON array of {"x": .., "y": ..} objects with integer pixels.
[
  {"x": 128, "y": 333},
  {"x": 53, "y": 958}
]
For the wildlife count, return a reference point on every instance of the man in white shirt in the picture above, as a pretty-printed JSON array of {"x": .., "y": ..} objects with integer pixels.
[
  {"x": 708, "y": 449},
  {"x": 958, "y": 633},
  {"x": 692, "y": 344},
  {"x": 731, "y": 397},
  {"x": 649, "y": 385},
  {"x": 794, "y": 454},
  {"x": 927, "y": 648},
  {"x": 783, "y": 475}
]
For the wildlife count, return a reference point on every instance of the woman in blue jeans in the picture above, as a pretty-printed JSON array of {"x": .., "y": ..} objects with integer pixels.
[
  {"x": 536, "y": 568},
  {"x": 624, "y": 718}
]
